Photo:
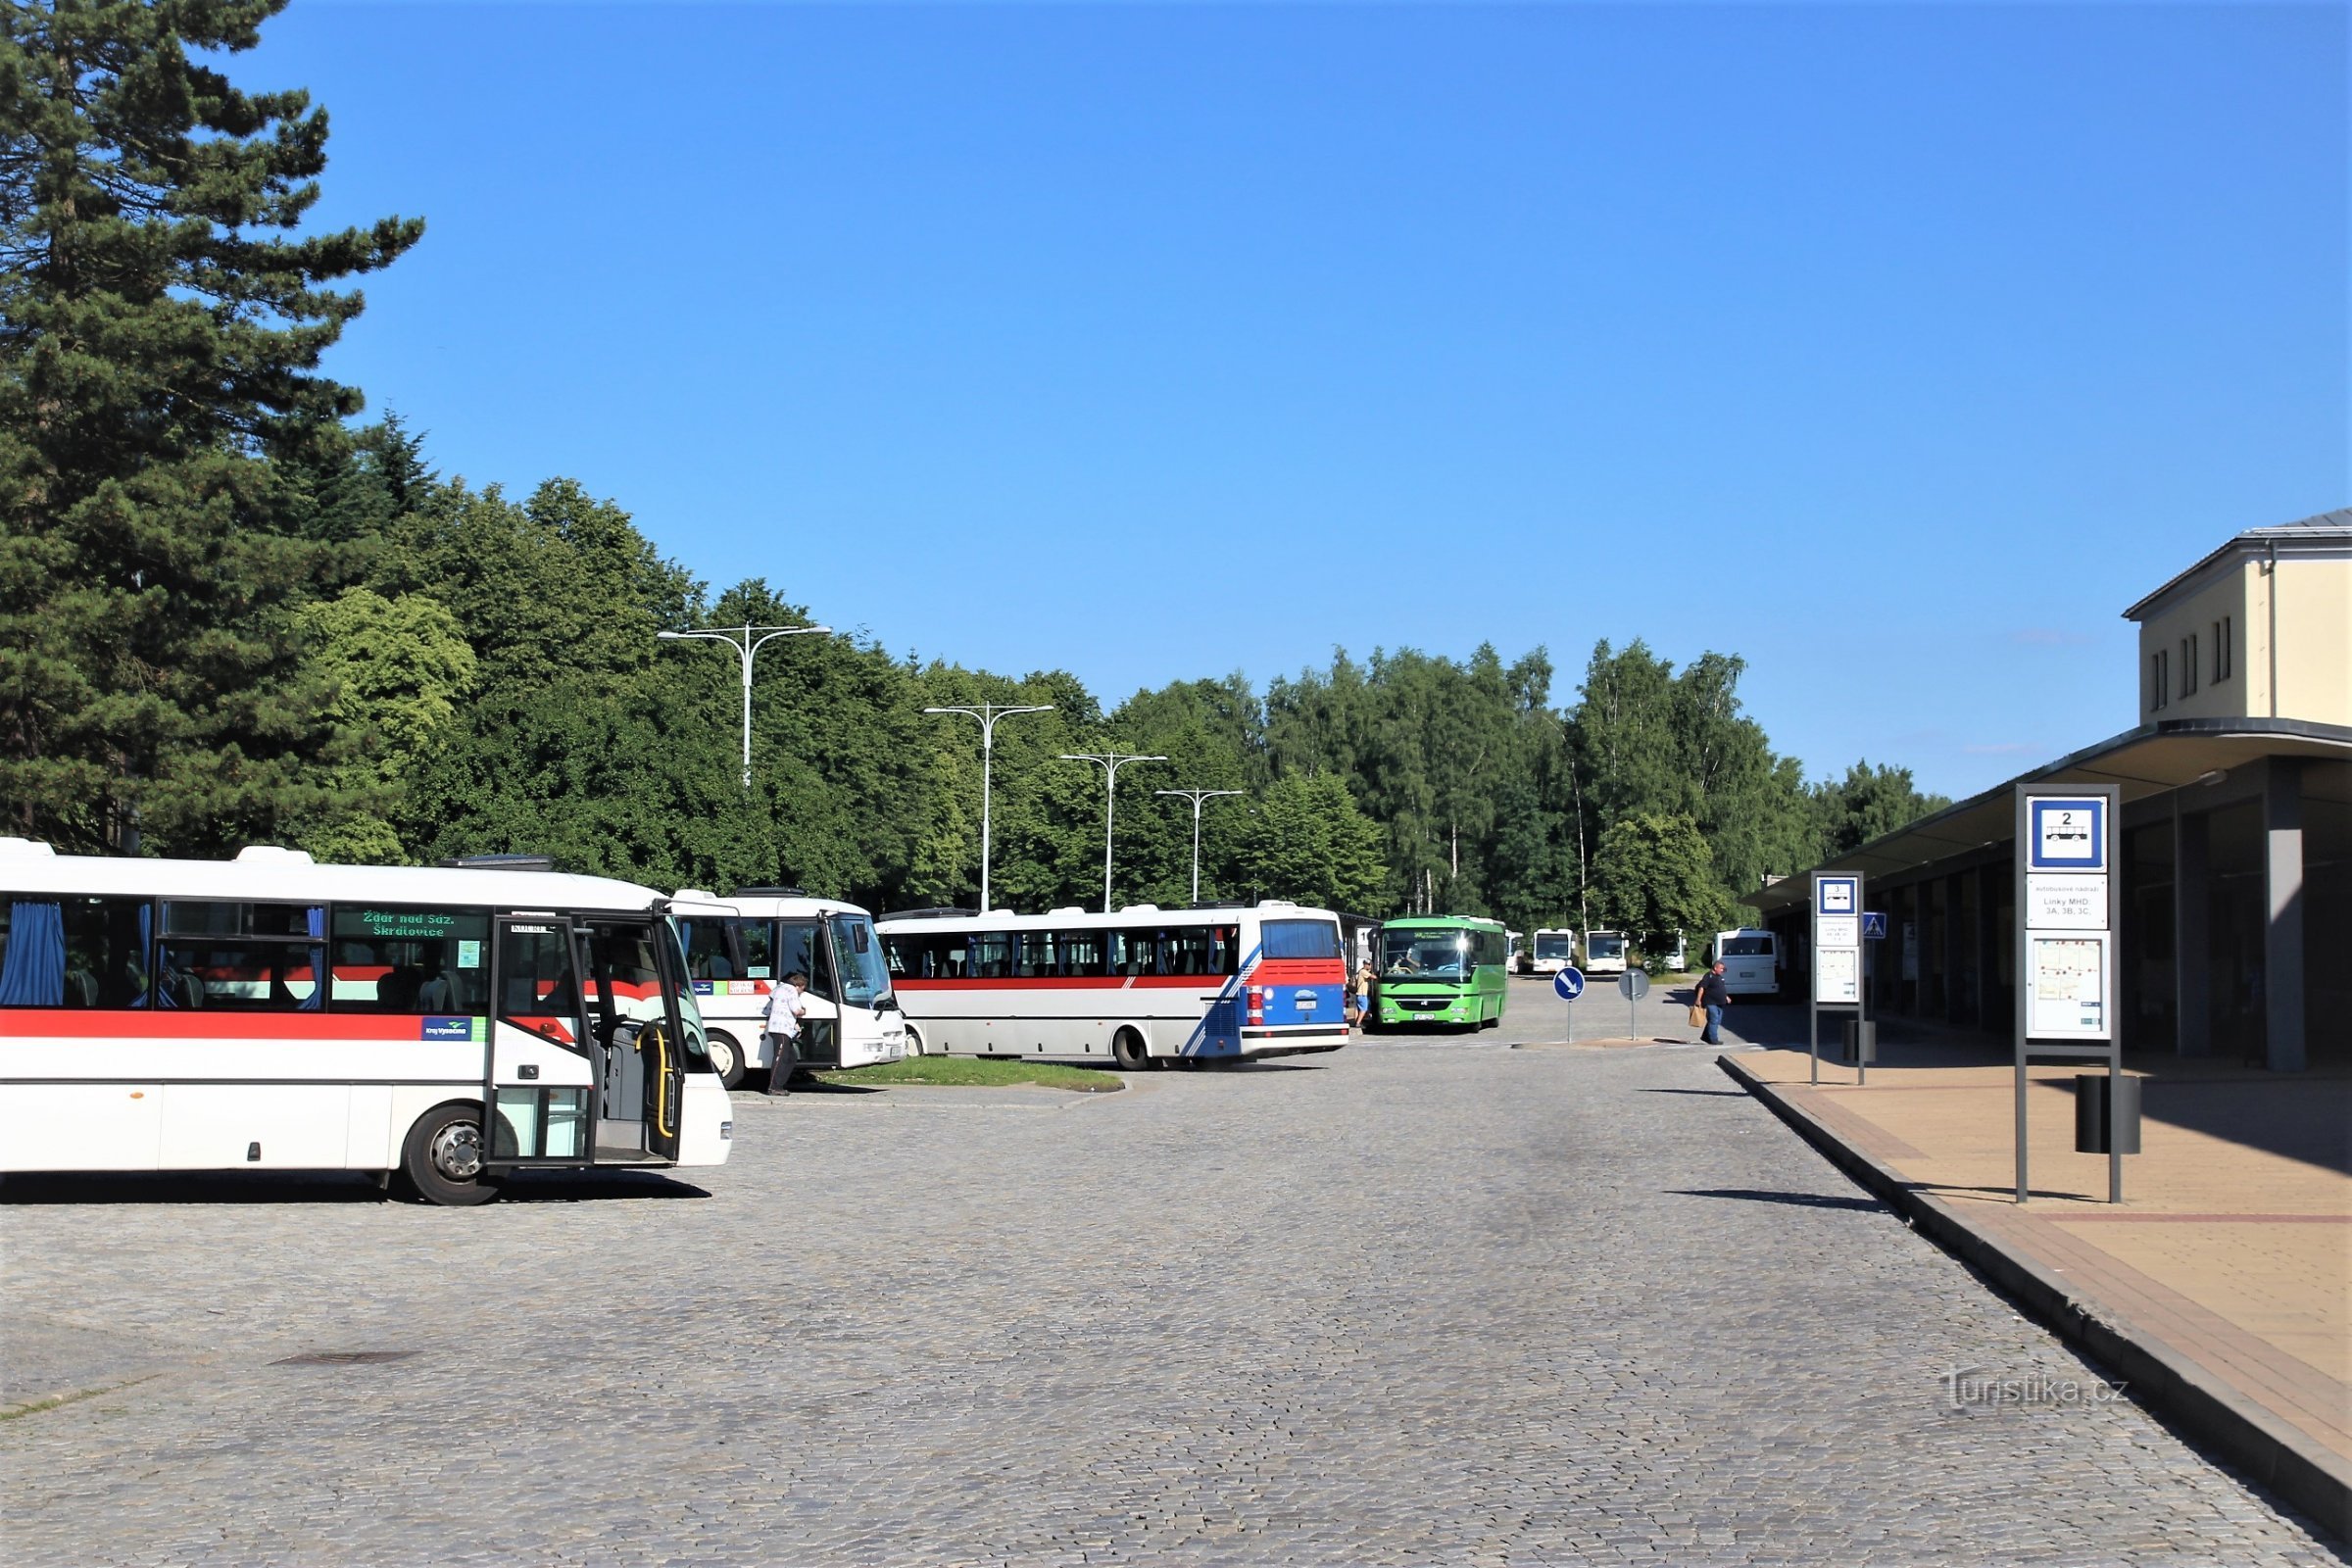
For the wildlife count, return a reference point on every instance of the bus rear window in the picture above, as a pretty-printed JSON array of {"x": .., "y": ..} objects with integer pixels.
[
  {"x": 1301, "y": 939},
  {"x": 1746, "y": 948}
]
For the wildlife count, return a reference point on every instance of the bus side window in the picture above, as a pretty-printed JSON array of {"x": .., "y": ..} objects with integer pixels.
[
  {"x": 757, "y": 938},
  {"x": 73, "y": 952},
  {"x": 708, "y": 955},
  {"x": 1082, "y": 953},
  {"x": 798, "y": 950}
]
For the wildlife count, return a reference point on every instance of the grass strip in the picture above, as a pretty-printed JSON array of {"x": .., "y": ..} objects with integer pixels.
[
  {"x": 17, "y": 1413},
  {"x": 976, "y": 1071}
]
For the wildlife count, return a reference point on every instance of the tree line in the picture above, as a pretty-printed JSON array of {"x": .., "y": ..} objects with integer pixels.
[{"x": 231, "y": 613}]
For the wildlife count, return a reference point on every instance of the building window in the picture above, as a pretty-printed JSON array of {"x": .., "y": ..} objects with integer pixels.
[
  {"x": 2221, "y": 649},
  {"x": 2157, "y": 693},
  {"x": 2188, "y": 664}
]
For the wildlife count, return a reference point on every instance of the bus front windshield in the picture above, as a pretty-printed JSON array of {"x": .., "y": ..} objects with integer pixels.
[
  {"x": 1606, "y": 945},
  {"x": 857, "y": 960},
  {"x": 1422, "y": 954},
  {"x": 1550, "y": 946}
]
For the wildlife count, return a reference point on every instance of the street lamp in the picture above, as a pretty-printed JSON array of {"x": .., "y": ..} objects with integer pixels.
[
  {"x": 747, "y": 641},
  {"x": 988, "y": 714},
  {"x": 1196, "y": 796},
  {"x": 1111, "y": 763}
]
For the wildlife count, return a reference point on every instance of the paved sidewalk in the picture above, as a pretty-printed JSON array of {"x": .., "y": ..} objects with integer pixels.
[{"x": 2225, "y": 1276}]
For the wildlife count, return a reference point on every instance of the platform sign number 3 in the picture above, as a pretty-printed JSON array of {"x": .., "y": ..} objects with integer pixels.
[{"x": 2070, "y": 835}]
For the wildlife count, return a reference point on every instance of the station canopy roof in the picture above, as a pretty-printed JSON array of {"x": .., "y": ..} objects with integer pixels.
[{"x": 2148, "y": 760}]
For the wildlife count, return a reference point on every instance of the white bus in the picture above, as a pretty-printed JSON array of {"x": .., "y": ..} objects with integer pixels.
[
  {"x": 735, "y": 961},
  {"x": 270, "y": 1013},
  {"x": 1605, "y": 952},
  {"x": 1137, "y": 989},
  {"x": 1751, "y": 962},
  {"x": 1554, "y": 949}
]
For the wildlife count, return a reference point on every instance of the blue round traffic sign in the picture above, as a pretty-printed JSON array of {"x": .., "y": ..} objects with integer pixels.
[{"x": 1569, "y": 983}]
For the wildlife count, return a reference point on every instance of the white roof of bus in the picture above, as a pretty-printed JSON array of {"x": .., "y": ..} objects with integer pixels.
[
  {"x": 769, "y": 904},
  {"x": 1132, "y": 914},
  {"x": 291, "y": 876}
]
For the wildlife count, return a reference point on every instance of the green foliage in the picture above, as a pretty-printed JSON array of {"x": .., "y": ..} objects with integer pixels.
[
  {"x": 1867, "y": 803},
  {"x": 396, "y": 669},
  {"x": 166, "y": 440},
  {"x": 1652, "y": 876},
  {"x": 1308, "y": 842}
]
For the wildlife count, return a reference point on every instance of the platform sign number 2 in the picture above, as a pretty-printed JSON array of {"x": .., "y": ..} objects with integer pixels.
[{"x": 2069, "y": 834}]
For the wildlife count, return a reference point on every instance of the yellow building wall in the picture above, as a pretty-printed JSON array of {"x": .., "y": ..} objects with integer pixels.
[
  {"x": 2315, "y": 640},
  {"x": 2230, "y": 597}
]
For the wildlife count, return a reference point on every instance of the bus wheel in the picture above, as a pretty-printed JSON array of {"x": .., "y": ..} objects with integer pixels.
[
  {"x": 442, "y": 1160},
  {"x": 1127, "y": 1052},
  {"x": 914, "y": 1041},
  {"x": 726, "y": 1059}
]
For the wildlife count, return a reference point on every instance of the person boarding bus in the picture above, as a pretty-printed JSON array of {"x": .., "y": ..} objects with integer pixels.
[{"x": 787, "y": 1005}]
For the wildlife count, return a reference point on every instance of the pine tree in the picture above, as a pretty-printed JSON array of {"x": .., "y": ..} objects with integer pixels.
[{"x": 161, "y": 327}]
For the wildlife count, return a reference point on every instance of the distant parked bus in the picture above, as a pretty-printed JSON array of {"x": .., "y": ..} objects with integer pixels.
[
  {"x": 1138, "y": 989},
  {"x": 1439, "y": 970},
  {"x": 1554, "y": 950},
  {"x": 735, "y": 961},
  {"x": 1605, "y": 952},
  {"x": 1751, "y": 962},
  {"x": 271, "y": 1014}
]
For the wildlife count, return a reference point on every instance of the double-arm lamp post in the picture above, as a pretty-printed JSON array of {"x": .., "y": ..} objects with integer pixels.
[
  {"x": 988, "y": 714},
  {"x": 747, "y": 641},
  {"x": 1109, "y": 762},
  {"x": 1196, "y": 796}
]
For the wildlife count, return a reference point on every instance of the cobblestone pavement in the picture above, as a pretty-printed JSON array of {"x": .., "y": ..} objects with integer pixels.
[{"x": 1419, "y": 1302}]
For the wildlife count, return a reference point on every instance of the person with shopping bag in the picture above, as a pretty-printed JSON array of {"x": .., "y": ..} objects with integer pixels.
[{"x": 1708, "y": 999}]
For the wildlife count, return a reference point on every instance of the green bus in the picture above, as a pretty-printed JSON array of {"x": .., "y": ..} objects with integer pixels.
[{"x": 1438, "y": 969}]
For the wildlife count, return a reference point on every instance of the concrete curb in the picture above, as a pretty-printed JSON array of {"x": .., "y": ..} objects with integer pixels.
[{"x": 2160, "y": 1376}]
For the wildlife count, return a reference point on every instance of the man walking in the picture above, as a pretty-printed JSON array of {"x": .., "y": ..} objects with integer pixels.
[
  {"x": 1714, "y": 993},
  {"x": 785, "y": 1011}
]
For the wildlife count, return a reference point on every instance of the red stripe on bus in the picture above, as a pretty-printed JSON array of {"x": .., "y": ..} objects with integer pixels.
[
  {"x": 1300, "y": 971},
  {"x": 178, "y": 1023},
  {"x": 1047, "y": 982}
]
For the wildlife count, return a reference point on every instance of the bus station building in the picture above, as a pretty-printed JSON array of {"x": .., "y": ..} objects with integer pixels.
[{"x": 2235, "y": 844}]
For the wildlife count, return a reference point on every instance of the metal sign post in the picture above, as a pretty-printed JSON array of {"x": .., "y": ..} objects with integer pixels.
[
  {"x": 2069, "y": 915},
  {"x": 1837, "y": 962},
  {"x": 1568, "y": 985},
  {"x": 1632, "y": 985}
]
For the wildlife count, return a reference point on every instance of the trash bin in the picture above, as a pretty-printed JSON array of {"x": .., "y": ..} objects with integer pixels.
[
  {"x": 2091, "y": 1114},
  {"x": 1861, "y": 1045}
]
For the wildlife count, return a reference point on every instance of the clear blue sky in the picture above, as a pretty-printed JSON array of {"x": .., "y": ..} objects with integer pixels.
[{"x": 1896, "y": 348}]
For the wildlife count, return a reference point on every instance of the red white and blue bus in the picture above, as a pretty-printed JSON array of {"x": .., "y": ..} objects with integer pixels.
[
  {"x": 1138, "y": 989},
  {"x": 270, "y": 1013}
]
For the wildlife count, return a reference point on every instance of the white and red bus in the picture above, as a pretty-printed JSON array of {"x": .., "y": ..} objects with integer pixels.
[
  {"x": 1139, "y": 988},
  {"x": 735, "y": 959},
  {"x": 271, "y": 1014}
]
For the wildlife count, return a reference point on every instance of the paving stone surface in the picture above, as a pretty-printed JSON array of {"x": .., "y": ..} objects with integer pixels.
[{"x": 1418, "y": 1302}]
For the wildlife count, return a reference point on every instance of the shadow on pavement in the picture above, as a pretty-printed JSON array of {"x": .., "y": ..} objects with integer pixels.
[
  {"x": 1794, "y": 1200},
  {"x": 327, "y": 1187},
  {"x": 1712, "y": 1094}
]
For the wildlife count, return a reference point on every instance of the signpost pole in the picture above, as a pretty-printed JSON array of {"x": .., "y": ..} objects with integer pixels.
[
  {"x": 1813, "y": 1018},
  {"x": 2021, "y": 989},
  {"x": 2068, "y": 922},
  {"x": 1837, "y": 916},
  {"x": 1863, "y": 1043}
]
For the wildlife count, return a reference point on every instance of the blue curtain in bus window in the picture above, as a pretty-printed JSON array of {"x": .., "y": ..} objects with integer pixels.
[
  {"x": 32, "y": 972},
  {"x": 146, "y": 956},
  {"x": 316, "y": 925}
]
